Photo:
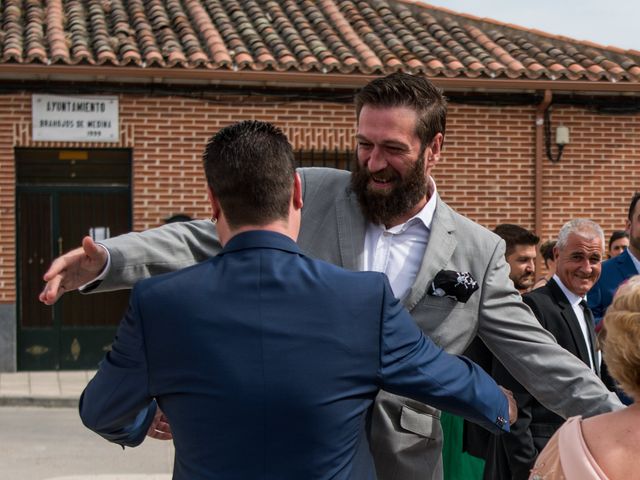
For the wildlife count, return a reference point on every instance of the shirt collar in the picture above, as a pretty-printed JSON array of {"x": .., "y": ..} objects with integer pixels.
[
  {"x": 572, "y": 297},
  {"x": 424, "y": 216},
  {"x": 427, "y": 212}
]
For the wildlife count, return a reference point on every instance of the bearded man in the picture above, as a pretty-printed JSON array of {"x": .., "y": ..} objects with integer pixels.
[{"x": 520, "y": 254}]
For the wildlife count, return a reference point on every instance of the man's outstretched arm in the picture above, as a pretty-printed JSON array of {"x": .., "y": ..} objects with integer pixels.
[
  {"x": 138, "y": 255},
  {"x": 556, "y": 378},
  {"x": 133, "y": 256}
]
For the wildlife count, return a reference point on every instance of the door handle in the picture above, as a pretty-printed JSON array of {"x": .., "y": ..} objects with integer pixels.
[{"x": 59, "y": 245}]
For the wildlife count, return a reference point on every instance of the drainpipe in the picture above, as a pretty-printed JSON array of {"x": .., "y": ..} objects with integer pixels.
[{"x": 546, "y": 101}]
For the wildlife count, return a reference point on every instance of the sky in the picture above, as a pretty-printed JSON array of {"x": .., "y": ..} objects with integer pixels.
[{"x": 614, "y": 22}]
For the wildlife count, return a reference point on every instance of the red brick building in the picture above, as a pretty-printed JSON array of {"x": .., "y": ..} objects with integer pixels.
[{"x": 161, "y": 76}]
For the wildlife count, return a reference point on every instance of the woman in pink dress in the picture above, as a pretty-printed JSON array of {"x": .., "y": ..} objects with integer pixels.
[{"x": 605, "y": 447}]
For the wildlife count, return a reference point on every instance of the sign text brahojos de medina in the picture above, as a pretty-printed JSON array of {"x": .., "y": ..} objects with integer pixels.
[{"x": 75, "y": 118}]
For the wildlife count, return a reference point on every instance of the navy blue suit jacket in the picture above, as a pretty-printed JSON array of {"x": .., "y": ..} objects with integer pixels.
[
  {"x": 265, "y": 361},
  {"x": 614, "y": 272}
]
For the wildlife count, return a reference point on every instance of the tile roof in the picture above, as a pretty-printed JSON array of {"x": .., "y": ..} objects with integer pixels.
[{"x": 339, "y": 36}]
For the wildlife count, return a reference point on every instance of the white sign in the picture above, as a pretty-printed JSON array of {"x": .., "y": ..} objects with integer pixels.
[{"x": 85, "y": 118}]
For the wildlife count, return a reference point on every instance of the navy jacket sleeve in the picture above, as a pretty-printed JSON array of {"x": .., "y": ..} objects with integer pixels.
[
  {"x": 413, "y": 366},
  {"x": 596, "y": 301},
  {"x": 116, "y": 403}
]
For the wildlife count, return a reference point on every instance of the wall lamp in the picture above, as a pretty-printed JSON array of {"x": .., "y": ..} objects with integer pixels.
[{"x": 562, "y": 137}]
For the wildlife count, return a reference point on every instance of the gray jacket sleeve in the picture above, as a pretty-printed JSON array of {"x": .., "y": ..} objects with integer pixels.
[
  {"x": 555, "y": 377},
  {"x": 164, "y": 249}
]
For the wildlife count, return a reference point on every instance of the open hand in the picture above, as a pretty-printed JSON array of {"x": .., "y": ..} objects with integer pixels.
[{"x": 72, "y": 270}]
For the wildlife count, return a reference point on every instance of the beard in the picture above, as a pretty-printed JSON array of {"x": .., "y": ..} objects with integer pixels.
[
  {"x": 524, "y": 282},
  {"x": 381, "y": 207}
]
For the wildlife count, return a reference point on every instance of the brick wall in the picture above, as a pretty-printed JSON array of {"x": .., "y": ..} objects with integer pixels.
[
  {"x": 486, "y": 171},
  {"x": 598, "y": 173},
  {"x": 169, "y": 135},
  {"x": 487, "y": 167},
  {"x": 15, "y": 110}
]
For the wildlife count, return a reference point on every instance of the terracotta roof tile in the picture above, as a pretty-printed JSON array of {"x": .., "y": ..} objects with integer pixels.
[{"x": 359, "y": 36}]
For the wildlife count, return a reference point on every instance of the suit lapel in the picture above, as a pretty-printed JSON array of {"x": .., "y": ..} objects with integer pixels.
[
  {"x": 569, "y": 317},
  {"x": 625, "y": 265},
  {"x": 351, "y": 231},
  {"x": 442, "y": 243}
]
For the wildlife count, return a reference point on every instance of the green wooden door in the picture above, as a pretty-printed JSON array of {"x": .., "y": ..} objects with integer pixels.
[{"x": 52, "y": 218}]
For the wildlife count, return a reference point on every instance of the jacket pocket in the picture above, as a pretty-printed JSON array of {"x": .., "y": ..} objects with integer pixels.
[{"x": 420, "y": 423}]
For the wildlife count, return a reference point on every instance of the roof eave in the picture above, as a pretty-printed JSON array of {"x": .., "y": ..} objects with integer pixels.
[{"x": 81, "y": 73}]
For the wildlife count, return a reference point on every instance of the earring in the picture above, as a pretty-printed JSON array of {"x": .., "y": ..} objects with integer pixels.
[{"x": 214, "y": 220}]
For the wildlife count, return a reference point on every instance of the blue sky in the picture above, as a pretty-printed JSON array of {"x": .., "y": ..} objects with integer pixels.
[{"x": 615, "y": 23}]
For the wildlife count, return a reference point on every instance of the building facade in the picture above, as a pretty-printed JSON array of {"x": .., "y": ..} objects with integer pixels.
[{"x": 175, "y": 77}]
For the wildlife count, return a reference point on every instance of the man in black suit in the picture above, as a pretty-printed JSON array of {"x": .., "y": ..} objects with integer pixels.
[{"x": 560, "y": 306}]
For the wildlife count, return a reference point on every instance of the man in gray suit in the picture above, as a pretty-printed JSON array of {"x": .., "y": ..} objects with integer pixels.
[{"x": 387, "y": 216}]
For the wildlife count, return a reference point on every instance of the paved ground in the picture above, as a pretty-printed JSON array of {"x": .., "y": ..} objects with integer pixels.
[
  {"x": 47, "y": 389},
  {"x": 38, "y": 443},
  {"x": 50, "y": 443}
]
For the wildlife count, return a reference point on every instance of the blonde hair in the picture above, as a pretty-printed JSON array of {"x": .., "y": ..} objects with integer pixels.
[{"x": 622, "y": 337}]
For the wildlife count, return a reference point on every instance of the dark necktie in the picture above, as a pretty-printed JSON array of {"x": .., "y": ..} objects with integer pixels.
[{"x": 588, "y": 317}]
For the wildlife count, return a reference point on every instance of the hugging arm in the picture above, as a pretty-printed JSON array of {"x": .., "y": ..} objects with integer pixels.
[
  {"x": 555, "y": 377},
  {"x": 133, "y": 256},
  {"x": 116, "y": 403}
]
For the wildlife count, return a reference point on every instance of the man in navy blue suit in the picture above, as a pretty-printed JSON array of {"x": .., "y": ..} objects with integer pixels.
[
  {"x": 266, "y": 361},
  {"x": 615, "y": 272},
  {"x": 618, "y": 269}
]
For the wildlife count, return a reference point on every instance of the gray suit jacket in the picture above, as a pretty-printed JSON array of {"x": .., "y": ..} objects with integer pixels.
[{"x": 405, "y": 435}]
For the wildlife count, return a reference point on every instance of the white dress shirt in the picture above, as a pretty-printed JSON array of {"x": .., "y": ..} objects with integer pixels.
[
  {"x": 575, "y": 300},
  {"x": 398, "y": 251}
]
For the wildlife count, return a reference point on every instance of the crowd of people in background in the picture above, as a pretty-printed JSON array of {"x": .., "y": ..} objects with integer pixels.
[{"x": 569, "y": 300}]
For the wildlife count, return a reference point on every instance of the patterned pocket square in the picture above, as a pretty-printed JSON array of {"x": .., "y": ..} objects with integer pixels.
[{"x": 457, "y": 285}]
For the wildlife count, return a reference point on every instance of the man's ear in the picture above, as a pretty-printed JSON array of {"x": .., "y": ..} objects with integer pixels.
[
  {"x": 432, "y": 154},
  {"x": 214, "y": 202},
  {"x": 436, "y": 145},
  {"x": 297, "y": 192}
]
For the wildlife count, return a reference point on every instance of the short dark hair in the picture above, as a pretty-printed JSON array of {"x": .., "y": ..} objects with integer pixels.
[
  {"x": 617, "y": 235},
  {"x": 546, "y": 250},
  {"x": 249, "y": 167},
  {"x": 632, "y": 205},
  {"x": 515, "y": 235},
  {"x": 404, "y": 90}
]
